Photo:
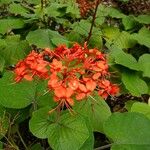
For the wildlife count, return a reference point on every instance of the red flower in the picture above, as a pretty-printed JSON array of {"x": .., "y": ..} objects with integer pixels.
[{"x": 72, "y": 73}]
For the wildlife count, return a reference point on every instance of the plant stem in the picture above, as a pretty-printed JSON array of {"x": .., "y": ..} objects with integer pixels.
[
  {"x": 22, "y": 139},
  {"x": 103, "y": 147},
  {"x": 93, "y": 20}
]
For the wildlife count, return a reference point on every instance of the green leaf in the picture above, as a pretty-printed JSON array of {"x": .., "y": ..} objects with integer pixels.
[
  {"x": 129, "y": 131},
  {"x": 144, "y": 64},
  {"x": 120, "y": 39},
  {"x": 134, "y": 84},
  {"x": 129, "y": 22},
  {"x": 2, "y": 63},
  {"x": 56, "y": 10},
  {"x": 73, "y": 9},
  {"x": 37, "y": 147},
  {"x": 58, "y": 41},
  {"x": 96, "y": 110},
  {"x": 129, "y": 104},
  {"x": 18, "y": 9},
  {"x": 41, "y": 121},
  {"x": 4, "y": 122},
  {"x": 43, "y": 38},
  {"x": 70, "y": 128},
  {"x": 141, "y": 108},
  {"x": 14, "y": 50},
  {"x": 145, "y": 19},
  {"x": 142, "y": 37},
  {"x": 82, "y": 27},
  {"x": 15, "y": 95},
  {"x": 123, "y": 58},
  {"x": 7, "y": 25}
]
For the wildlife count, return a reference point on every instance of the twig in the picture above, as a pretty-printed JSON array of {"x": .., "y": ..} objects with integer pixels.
[
  {"x": 93, "y": 20},
  {"x": 25, "y": 146},
  {"x": 103, "y": 147}
]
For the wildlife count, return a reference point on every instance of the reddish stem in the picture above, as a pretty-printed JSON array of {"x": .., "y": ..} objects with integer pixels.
[{"x": 93, "y": 20}]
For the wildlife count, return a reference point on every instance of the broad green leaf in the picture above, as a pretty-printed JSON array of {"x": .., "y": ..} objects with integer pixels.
[
  {"x": 14, "y": 50},
  {"x": 141, "y": 108},
  {"x": 134, "y": 84},
  {"x": 111, "y": 33},
  {"x": 4, "y": 122},
  {"x": 120, "y": 39},
  {"x": 58, "y": 41},
  {"x": 124, "y": 40},
  {"x": 70, "y": 128},
  {"x": 144, "y": 64},
  {"x": 18, "y": 9},
  {"x": 73, "y": 9},
  {"x": 128, "y": 22},
  {"x": 114, "y": 13},
  {"x": 82, "y": 27},
  {"x": 43, "y": 37},
  {"x": 142, "y": 37},
  {"x": 129, "y": 131},
  {"x": 96, "y": 110},
  {"x": 5, "y": 1},
  {"x": 123, "y": 58},
  {"x": 40, "y": 122},
  {"x": 96, "y": 41},
  {"x": 109, "y": 11},
  {"x": 7, "y": 25},
  {"x": 56, "y": 10},
  {"x": 89, "y": 143},
  {"x": 145, "y": 19},
  {"x": 15, "y": 95},
  {"x": 60, "y": 130}
]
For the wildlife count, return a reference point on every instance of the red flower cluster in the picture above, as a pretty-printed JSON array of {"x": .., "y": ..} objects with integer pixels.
[
  {"x": 72, "y": 73},
  {"x": 86, "y": 6},
  {"x": 32, "y": 65}
]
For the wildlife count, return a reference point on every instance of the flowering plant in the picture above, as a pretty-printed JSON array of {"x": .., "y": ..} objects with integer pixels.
[{"x": 72, "y": 73}]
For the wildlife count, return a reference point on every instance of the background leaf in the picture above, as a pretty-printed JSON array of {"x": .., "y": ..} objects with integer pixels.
[
  {"x": 16, "y": 95},
  {"x": 128, "y": 131},
  {"x": 134, "y": 84}
]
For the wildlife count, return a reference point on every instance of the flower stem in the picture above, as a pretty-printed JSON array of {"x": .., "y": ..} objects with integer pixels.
[{"x": 93, "y": 20}]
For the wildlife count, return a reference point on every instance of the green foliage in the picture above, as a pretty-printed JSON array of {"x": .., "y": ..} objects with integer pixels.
[
  {"x": 144, "y": 64},
  {"x": 38, "y": 24},
  {"x": 45, "y": 38},
  {"x": 16, "y": 95},
  {"x": 59, "y": 130},
  {"x": 96, "y": 110},
  {"x": 128, "y": 131},
  {"x": 134, "y": 84},
  {"x": 8, "y": 24},
  {"x": 141, "y": 108}
]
